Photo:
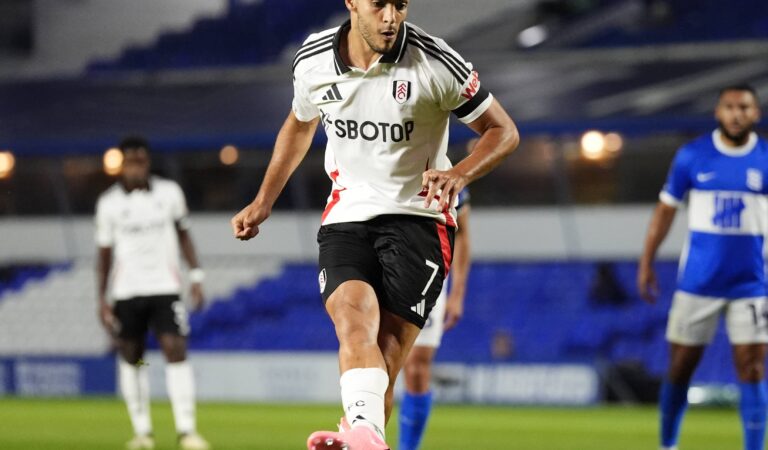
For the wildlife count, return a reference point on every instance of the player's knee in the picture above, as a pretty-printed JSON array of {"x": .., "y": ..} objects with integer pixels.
[
  {"x": 751, "y": 371},
  {"x": 681, "y": 373},
  {"x": 174, "y": 348},
  {"x": 417, "y": 375},
  {"x": 350, "y": 332},
  {"x": 176, "y": 355},
  {"x": 131, "y": 352},
  {"x": 352, "y": 328}
]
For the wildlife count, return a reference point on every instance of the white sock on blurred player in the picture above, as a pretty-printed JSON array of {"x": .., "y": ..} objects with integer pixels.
[
  {"x": 134, "y": 385},
  {"x": 362, "y": 395},
  {"x": 181, "y": 390}
]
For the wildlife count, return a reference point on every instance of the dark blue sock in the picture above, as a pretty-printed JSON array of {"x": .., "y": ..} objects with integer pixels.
[
  {"x": 414, "y": 413},
  {"x": 752, "y": 407},
  {"x": 672, "y": 404}
]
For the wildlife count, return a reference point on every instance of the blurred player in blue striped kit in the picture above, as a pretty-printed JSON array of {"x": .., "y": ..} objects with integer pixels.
[{"x": 722, "y": 268}]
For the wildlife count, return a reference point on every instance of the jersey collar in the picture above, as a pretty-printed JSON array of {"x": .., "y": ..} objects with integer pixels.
[
  {"x": 147, "y": 188},
  {"x": 717, "y": 140},
  {"x": 392, "y": 57}
]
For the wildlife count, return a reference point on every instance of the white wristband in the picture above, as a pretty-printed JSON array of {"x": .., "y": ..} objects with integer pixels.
[{"x": 196, "y": 275}]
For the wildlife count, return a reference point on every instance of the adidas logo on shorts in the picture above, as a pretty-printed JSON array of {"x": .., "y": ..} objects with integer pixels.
[{"x": 420, "y": 307}]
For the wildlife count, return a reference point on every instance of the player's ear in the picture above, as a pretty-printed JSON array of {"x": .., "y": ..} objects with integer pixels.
[{"x": 351, "y": 5}]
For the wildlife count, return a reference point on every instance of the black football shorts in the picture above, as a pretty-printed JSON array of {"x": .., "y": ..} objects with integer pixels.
[
  {"x": 404, "y": 258},
  {"x": 164, "y": 314}
]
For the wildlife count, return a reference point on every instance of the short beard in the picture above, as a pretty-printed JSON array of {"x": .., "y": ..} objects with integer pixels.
[
  {"x": 740, "y": 138},
  {"x": 368, "y": 40}
]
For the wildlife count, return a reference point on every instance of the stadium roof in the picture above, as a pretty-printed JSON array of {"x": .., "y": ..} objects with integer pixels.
[{"x": 634, "y": 90}]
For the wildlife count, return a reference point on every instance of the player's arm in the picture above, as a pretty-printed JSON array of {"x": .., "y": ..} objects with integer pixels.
[
  {"x": 454, "y": 308},
  {"x": 292, "y": 144},
  {"x": 498, "y": 138},
  {"x": 661, "y": 222},
  {"x": 103, "y": 268},
  {"x": 672, "y": 194},
  {"x": 196, "y": 274}
]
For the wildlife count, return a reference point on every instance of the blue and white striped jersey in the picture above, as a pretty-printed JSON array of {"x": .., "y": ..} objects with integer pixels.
[
  {"x": 727, "y": 216},
  {"x": 463, "y": 198}
]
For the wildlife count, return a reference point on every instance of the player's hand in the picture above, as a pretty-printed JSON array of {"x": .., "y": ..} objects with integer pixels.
[
  {"x": 196, "y": 293},
  {"x": 245, "y": 224},
  {"x": 454, "y": 311},
  {"x": 443, "y": 185},
  {"x": 647, "y": 285},
  {"x": 107, "y": 317}
]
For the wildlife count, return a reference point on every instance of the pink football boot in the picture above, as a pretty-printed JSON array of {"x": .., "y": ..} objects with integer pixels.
[{"x": 359, "y": 438}]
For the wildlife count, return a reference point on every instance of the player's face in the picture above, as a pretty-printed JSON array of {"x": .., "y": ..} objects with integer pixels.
[
  {"x": 737, "y": 113},
  {"x": 135, "y": 166},
  {"x": 378, "y": 21}
]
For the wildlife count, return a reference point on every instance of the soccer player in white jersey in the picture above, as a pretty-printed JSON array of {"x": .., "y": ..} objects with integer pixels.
[
  {"x": 384, "y": 91},
  {"x": 722, "y": 269},
  {"x": 141, "y": 221},
  {"x": 416, "y": 405}
]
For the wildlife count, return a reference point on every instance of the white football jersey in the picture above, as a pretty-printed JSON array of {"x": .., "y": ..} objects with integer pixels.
[
  {"x": 140, "y": 226},
  {"x": 385, "y": 125}
]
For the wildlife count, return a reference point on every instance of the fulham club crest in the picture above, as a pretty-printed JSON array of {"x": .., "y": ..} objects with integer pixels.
[
  {"x": 401, "y": 90},
  {"x": 321, "y": 279}
]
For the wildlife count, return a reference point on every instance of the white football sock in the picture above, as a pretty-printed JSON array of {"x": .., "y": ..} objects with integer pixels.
[
  {"x": 362, "y": 396},
  {"x": 181, "y": 391},
  {"x": 134, "y": 385}
]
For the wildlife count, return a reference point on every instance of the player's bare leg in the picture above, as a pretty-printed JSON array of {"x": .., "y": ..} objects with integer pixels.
[
  {"x": 683, "y": 360},
  {"x": 418, "y": 369},
  {"x": 749, "y": 360},
  {"x": 181, "y": 391},
  {"x": 134, "y": 386},
  {"x": 354, "y": 310},
  {"x": 396, "y": 338}
]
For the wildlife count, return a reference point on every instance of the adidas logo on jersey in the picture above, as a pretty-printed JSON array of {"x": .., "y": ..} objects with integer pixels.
[
  {"x": 420, "y": 307},
  {"x": 333, "y": 94}
]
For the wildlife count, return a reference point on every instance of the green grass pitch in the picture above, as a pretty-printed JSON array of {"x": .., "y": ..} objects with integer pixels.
[{"x": 102, "y": 424}]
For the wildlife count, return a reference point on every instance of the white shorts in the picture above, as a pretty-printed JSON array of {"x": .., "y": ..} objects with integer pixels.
[
  {"x": 432, "y": 333},
  {"x": 693, "y": 319}
]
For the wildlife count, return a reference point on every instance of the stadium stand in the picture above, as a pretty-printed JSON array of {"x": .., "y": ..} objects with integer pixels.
[
  {"x": 52, "y": 311},
  {"x": 282, "y": 313},
  {"x": 687, "y": 21},
  {"x": 263, "y": 307},
  {"x": 248, "y": 34}
]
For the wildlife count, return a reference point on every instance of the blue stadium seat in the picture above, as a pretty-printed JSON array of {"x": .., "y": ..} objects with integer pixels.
[
  {"x": 252, "y": 33},
  {"x": 544, "y": 310}
]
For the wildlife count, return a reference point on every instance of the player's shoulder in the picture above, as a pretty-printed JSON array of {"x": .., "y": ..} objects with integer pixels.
[
  {"x": 163, "y": 185},
  {"x": 112, "y": 193},
  {"x": 696, "y": 148},
  {"x": 416, "y": 33},
  {"x": 762, "y": 142},
  {"x": 110, "y": 200},
  {"x": 315, "y": 49},
  {"x": 436, "y": 52},
  {"x": 428, "y": 44}
]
